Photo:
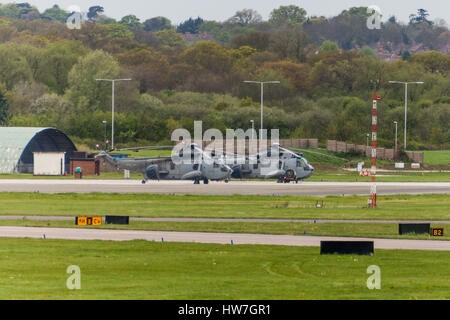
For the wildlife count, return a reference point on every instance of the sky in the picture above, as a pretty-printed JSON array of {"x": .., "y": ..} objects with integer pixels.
[{"x": 220, "y": 10}]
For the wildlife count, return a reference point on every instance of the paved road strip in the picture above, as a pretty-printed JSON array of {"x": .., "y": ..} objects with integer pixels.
[
  {"x": 216, "y": 238},
  {"x": 267, "y": 188}
]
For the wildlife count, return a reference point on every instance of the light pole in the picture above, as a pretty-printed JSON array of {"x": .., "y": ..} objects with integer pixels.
[
  {"x": 262, "y": 97},
  {"x": 406, "y": 100},
  {"x": 253, "y": 126},
  {"x": 396, "y": 127},
  {"x": 104, "y": 122},
  {"x": 113, "y": 81}
]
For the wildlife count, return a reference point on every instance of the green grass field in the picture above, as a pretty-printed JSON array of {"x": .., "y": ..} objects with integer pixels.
[
  {"x": 398, "y": 176},
  {"x": 145, "y": 153},
  {"x": 36, "y": 269},
  {"x": 426, "y": 207},
  {"x": 441, "y": 157}
]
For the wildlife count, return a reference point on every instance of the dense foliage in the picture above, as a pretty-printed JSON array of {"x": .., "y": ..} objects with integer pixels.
[{"x": 195, "y": 71}]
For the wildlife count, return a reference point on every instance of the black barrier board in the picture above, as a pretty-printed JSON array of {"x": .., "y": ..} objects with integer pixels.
[
  {"x": 117, "y": 220},
  {"x": 417, "y": 228},
  {"x": 347, "y": 247}
]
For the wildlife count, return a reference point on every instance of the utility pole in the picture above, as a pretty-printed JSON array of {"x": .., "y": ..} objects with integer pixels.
[
  {"x": 406, "y": 101},
  {"x": 396, "y": 130},
  {"x": 113, "y": 81},
  {"x": 262, "y": 97}
]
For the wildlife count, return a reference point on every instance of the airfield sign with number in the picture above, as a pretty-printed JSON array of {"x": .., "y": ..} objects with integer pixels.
[
  {"x": 437, "y": 232},
  {"x": 88, "y": 221}
]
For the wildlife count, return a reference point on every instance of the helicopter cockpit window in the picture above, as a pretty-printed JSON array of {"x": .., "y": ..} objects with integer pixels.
[{"x": 301, "y": 163}]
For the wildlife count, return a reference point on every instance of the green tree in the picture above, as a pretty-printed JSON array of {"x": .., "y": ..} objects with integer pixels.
[
  {"x": 421, "y": 17},
  {"x": 433, "y": 62},
  {"x": 368, "y": 51},
  {"x": 4, "y": 107},
  {"x": 259, "y": 40},
  {"x": 147, "y": 66},
  {"x": 328, "y": 46},
  {"x": 157, "y": 24},
  {"x": 57, "y": 60},
  {"x": 117, "y": 31},
  {"x": 55, "y": 13},
  {"x": 288, "y": 15},
  {"x": 9, "y": 11},
  {"x": 94, "y": 12},
  {"x": 297, "y": 74},
  {"x": 356, "y": 11},
  {"x": 85, "y": 92},
  {"x": 131, "y": 22},
  {"x": 217, "y": 29},
  {"x": 190, "y": 26},
  {"x": 170, "y": 38},
  {"x": 209, "y": 55},
  {"x": 246, "y": 17},
  {"x": 290, "y": 43},
  {"x": 13, "y": 65}
]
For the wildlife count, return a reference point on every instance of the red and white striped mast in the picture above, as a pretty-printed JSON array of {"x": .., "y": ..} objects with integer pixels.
[{"x": 373, "y": 188}]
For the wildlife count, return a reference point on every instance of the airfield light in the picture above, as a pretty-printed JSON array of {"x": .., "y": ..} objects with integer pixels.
[
  {"x": 406, "y": 99},
  {"x": 113, "y": 81}
]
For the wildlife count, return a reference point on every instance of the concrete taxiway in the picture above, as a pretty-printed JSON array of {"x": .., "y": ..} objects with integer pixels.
[
  {"x": 215, "y": 238},
  {"x": 220, "y": 188}
]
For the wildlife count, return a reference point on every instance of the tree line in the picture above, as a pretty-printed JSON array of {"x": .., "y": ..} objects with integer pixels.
[{"x": 195, "y": 71}]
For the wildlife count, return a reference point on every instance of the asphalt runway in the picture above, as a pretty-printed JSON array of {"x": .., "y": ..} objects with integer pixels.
[
  {"x": 215, "y": 238},
  {"x": 220, "y": 188}
]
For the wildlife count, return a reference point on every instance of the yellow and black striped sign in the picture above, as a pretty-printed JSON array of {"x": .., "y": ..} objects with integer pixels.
[{"x": 88, "y": 221}]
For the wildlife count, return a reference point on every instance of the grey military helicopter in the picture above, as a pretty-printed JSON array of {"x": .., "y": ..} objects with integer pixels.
[
  {"x": 186, "y": 163},
  {"x": 288, "y": 167}
]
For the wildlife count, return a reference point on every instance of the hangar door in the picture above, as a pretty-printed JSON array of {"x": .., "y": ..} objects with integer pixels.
[{"x": 49, "y": 163}]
